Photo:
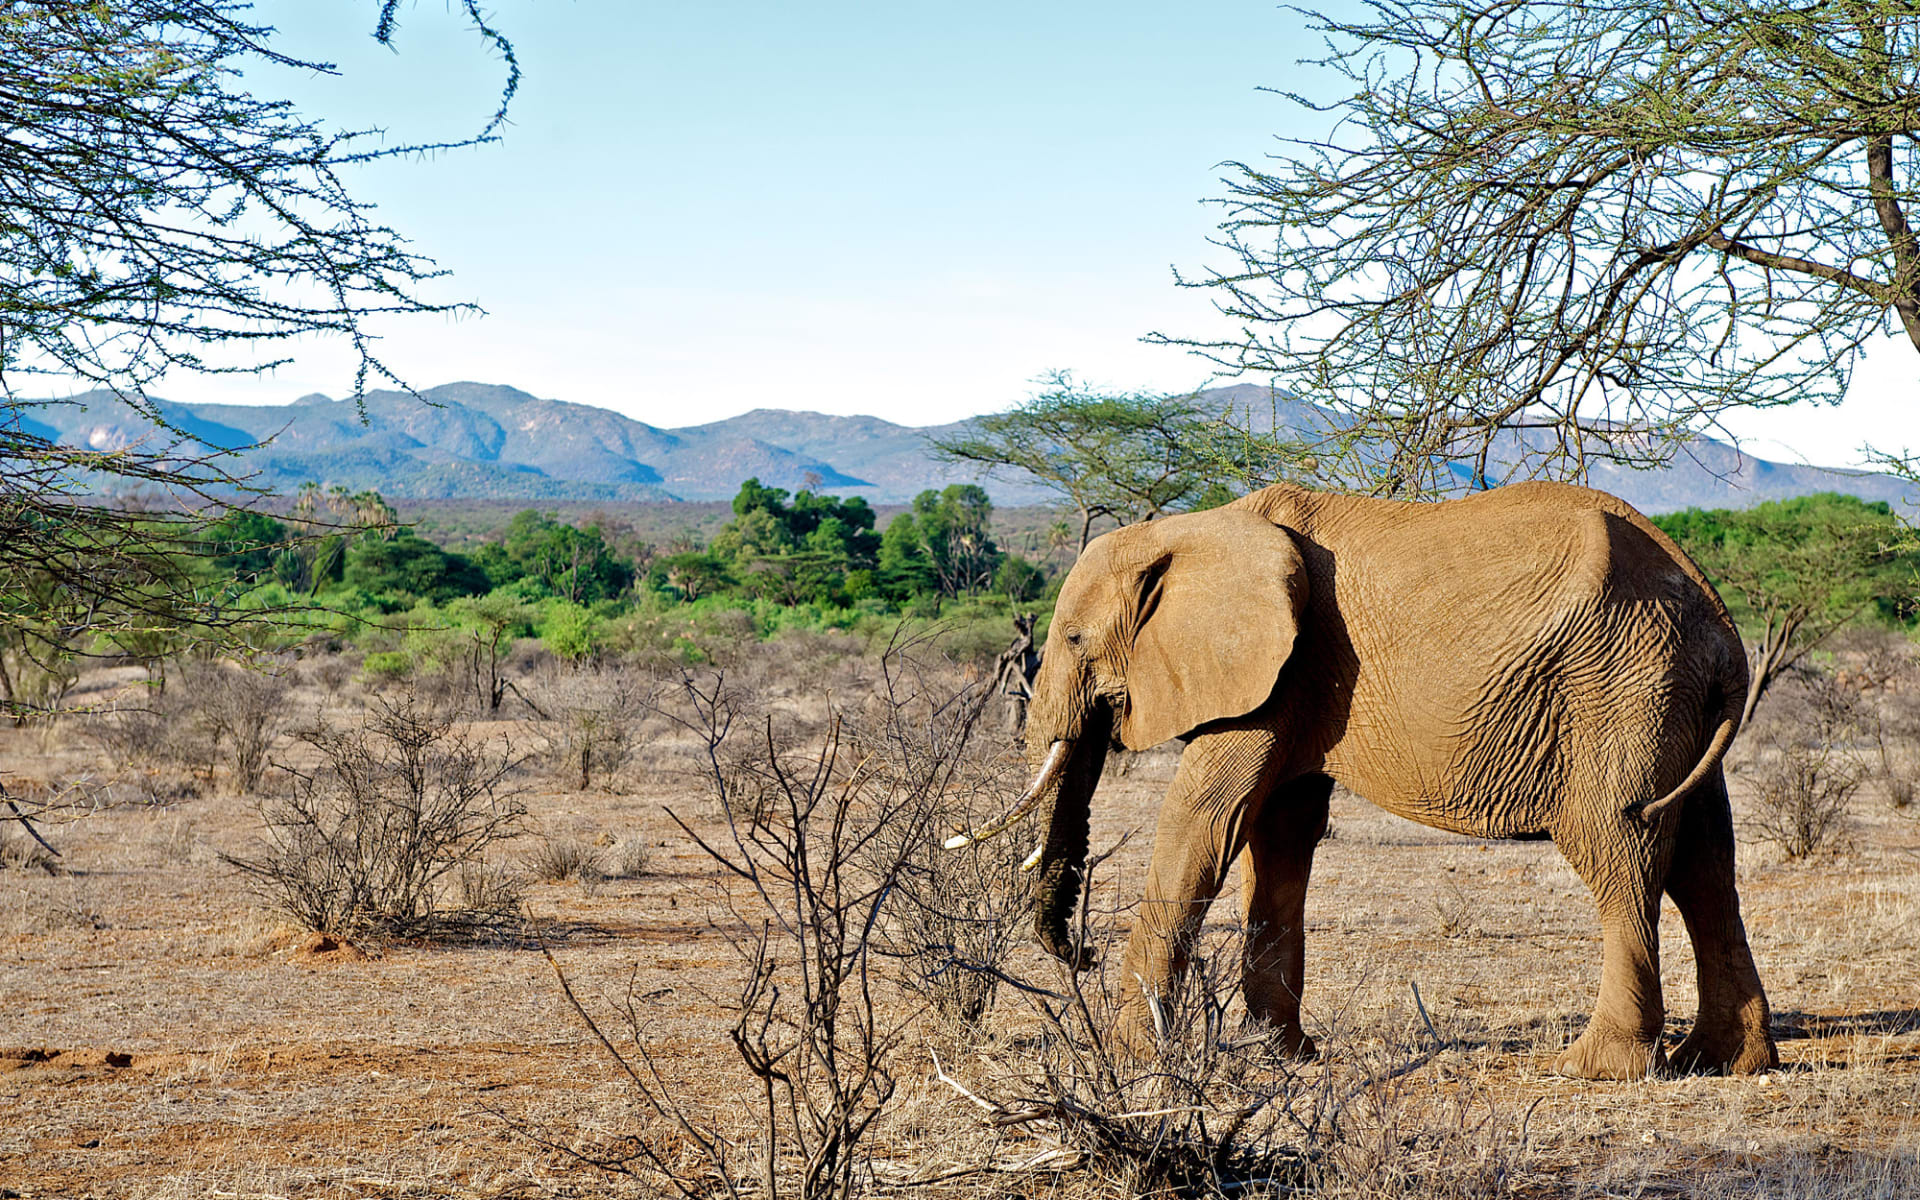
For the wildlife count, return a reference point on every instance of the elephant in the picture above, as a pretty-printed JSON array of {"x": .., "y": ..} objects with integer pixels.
[{"x": 1530, "y": 661}]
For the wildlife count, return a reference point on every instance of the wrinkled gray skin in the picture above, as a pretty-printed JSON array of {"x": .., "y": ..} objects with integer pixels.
[{"x": 1534, "y": 661}]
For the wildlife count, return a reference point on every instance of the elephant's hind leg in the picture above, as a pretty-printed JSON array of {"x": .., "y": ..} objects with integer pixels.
[
  {"x": 1622, "y": 864},
  {"x": 1732, "y": 1033},
  {"x": 1279, "y": 859}
]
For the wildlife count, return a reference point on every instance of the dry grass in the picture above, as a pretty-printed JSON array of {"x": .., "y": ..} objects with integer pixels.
[{"x": 187, "y": 1047}]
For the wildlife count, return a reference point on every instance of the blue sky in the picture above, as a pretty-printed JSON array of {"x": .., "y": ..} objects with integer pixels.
[{"x": 907, "y": 209}]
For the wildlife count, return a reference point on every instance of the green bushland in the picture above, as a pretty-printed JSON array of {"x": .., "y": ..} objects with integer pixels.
[
  {"x": 818, "y": 563},
  {"x": 785, "y": 562}
]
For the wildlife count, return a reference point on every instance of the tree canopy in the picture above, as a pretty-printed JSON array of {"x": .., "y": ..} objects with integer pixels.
[
  {"x": 158, "y": 217},
  {"x": 1126, "y": 455},
  {"x": 1795, "y": 571},
  {"x": 1544, "y": 234}
]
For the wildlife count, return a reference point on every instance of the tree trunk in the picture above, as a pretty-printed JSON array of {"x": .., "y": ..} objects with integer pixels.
[
  {"x": 1770, "y": 657},
  {"x": 6, "y": 690}
]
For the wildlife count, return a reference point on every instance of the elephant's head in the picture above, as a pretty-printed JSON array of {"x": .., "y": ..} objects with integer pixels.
[{"x": 1160, "y": 629}]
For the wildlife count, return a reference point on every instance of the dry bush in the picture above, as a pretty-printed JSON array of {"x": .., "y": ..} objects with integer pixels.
[
  {"x": 596, "y": 715},
  {"x": 628, "y": 858},
  {"x": 731, "y": 746},
  {"x": 1453, "y": 908},
  {"x": 385, "y": 838},
  {"x": 806, "y": 1024},
  {"x": 558, "y": 859},
  {"x": 247, "y": 709},
  {"x": 1219, "y": 1111},
  {"x": 1802, "y": 797},
  {"x": 957, "y": 915},
  {"x": 212, "y": 714},
  {"x": 1208, "y": 1115},
  {"x": 1805, "y": 759},
  {"x": 19, "y": 852},
  {"x": 331, "y": 672}
]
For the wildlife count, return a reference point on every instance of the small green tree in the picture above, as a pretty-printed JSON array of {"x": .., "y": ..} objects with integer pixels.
[
  {"x": 409, "y": 568},
  {"x": 569, "y": 562},
  {"x": 1795, "y": 571},
  {"x": 1126, "y": 455},
  {"x": 570, "y": 631}
]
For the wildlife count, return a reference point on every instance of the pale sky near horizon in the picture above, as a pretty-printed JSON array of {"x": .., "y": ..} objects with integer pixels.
[{"x": 906, "y": 210}]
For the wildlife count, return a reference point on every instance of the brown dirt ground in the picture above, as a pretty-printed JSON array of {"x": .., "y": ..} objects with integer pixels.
[{"x": 161, "y": 1036}]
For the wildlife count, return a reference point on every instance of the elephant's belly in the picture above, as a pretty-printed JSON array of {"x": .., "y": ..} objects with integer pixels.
[
  {"x": 1475, "y": 817},
  {"x": 1515, "y": 804}
]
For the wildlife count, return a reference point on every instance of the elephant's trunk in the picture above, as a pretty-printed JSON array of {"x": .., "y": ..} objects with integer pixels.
[{"x": 1062, "y": 856}]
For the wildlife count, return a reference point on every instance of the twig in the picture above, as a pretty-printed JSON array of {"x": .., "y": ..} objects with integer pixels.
[
  {"x": 28, "y": 826},
  {"x": 941, "y": 1073},
  {"x": 1438, "y": 1041}
]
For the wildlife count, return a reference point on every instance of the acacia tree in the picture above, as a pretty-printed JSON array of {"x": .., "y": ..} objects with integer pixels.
[
  {"x": 1796, "y": 571},
  {"x": 1544, "y": 234},
  {"x": 155, "y": 217},
  {"x": 1126, "y": 455}
]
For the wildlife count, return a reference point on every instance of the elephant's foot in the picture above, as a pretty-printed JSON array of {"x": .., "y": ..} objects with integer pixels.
[
  {"x": 1293, "y": 1042},
  {"x": 1727, "y": 1046},
  {"x": 1133, "y": 1034},
  {"x": 1608, "y": 1054}
]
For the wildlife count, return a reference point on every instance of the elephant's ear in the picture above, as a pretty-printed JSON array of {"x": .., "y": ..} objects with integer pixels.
[{"x": 1220, "y": 608}]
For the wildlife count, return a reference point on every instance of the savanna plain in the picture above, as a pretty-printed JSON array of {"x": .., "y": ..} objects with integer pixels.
[{"x": 619, "y": 929}]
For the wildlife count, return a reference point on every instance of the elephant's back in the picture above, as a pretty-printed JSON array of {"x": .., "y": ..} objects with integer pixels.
[{"x": 1509, "y": 646}]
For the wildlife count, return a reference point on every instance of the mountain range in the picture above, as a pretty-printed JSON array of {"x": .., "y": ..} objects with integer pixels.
[{"x": 477, "y": 440}]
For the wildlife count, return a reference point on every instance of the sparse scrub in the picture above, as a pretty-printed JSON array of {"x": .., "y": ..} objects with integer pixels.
[
  {"x": 1807, "y": 759},
  {"x": 597, "y": 715},
  {"x": 806, "y": 1024},
  {"x": 247, "y": 709},
  {"x": 374, "y": 841},
  {"x": 628, "y": 858},
  {"x": 558, "y": 859},
  {"x": 955, "y": 919},
  {"x": 1453, "y": 907},
  {"x": 1208, "y": 1115},
  {"x": 1803, "y": 795},
  {"x": 214, "y": 713}
]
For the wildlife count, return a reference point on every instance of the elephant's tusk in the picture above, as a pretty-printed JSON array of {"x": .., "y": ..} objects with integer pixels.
[
  {"x": 1033, "y": 860},
  {"x": 1049, "y": 771}
]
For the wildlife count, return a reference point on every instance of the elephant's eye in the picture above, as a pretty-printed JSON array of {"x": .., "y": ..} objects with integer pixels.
[{"x": 1073, "y": 637}]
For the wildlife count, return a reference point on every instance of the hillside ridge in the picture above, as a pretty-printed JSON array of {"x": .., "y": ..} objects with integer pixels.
[{"x": 480, "y": 440}]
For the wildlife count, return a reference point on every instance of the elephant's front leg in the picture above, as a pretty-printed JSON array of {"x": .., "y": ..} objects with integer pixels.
[
  {"x": 1286, "y": 828},
  {"x": 1203, "y": 826}
]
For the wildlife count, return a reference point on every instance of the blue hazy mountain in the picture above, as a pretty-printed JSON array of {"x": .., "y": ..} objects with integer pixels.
[{"x": 476, "y": 440}]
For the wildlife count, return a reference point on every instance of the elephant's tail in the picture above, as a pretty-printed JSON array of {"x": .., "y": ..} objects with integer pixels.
[{"x": 1731, "y": 705}]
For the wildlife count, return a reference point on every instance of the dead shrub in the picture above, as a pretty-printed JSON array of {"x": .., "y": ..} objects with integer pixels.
[
  {"x": 1803, "y": 795},
  {"x": 1806, "y": 760},
  {"x": 556, "y": 860},
  {"x": 19, "y": 852},
  {"x": 1453, "y": 908},
  {"x": 1210, "y": 1114},
  {"x": 629, "y": 858},
  {"x": 806, "y": 1024},
  {"x": 387, "y": 837},
  {"x": 596, "y": 716},
  {"x": 729, "y": 742},
  {"x": 957, "y": 915},
  {"x": 213, "y": 714}
]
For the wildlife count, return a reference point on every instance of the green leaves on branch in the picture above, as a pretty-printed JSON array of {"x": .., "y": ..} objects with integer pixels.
[
  {"x": 1129, "y": 456},
  {"x": 1543, "y": 235},
  {"x": 1793, "y": 572}
]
